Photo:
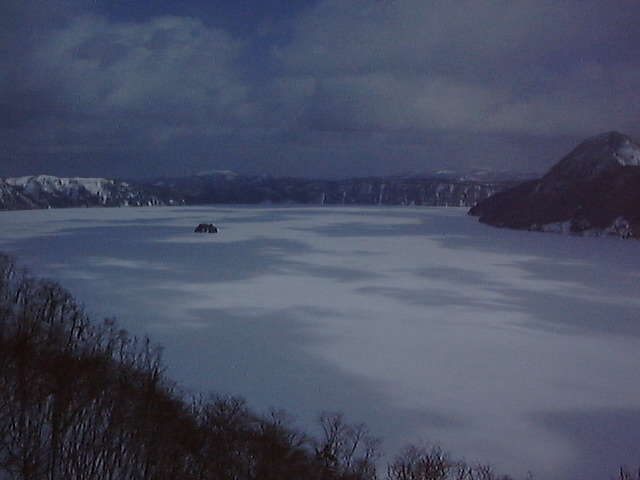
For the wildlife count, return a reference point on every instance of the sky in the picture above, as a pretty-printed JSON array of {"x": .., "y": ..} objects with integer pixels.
[{"x": 322, "y": 88}]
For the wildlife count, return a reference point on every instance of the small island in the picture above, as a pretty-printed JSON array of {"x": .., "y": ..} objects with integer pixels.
[{"x": 206, "y": 228}]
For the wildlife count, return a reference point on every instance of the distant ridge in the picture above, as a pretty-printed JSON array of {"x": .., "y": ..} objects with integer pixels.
[
  {"x": 226, "y": 187},
  {"x": 595, "y": 189},
  {"x": 49, "y": 191}
]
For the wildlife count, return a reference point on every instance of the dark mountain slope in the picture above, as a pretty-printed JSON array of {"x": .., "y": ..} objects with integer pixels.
[{"x": 594, "y": 189}]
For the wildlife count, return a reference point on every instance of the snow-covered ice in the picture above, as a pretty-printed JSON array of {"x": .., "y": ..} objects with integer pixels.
[{"x": 515, "y": 348}]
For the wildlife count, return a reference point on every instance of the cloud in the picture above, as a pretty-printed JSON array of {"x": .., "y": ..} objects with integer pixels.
[
  {"x": 166, "y": 66},
  {"x": 99, "y": 83},
  {"x": 384, "y": 101},
  {"x": 503, "y": 67},
  {"x": 348, "y": 88},
  {"x": 436, "y": 36}
]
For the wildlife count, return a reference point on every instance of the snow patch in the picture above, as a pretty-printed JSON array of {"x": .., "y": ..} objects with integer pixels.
[
  {"x": 557, "y": 227},
  {"x": 628, "y": 155}
]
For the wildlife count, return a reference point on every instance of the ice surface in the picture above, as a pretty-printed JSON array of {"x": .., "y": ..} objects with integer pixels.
[{"x": 516, "y": 348}]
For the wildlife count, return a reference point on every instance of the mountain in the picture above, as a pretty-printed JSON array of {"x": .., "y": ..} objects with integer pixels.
[
  {"x": 595, "y": 189},
  {"x": 12, "y": 198},
  {"x": 476, "y": 175},
  {"x": 225, "y": 188},
  {"x": 47, "y": 191}
]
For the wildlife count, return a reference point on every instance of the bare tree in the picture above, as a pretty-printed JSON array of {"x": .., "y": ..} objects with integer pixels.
[{"x": 347, "y": 450}]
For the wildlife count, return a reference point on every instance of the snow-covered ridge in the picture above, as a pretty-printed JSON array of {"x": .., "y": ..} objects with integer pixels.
[
  {"x": 51, "y": 184},
  {"x": 595, "y": 156},
  {"x": 47, "y": 191},
  {"x": 222, "y": 173},
  {"x": 628, "y": 154}
]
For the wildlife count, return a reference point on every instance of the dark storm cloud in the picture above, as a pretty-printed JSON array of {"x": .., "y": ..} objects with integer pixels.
[
  {"x": 91, "y": 84},
  {"x": 23, "y": 27},
  {"x": 169, "y": 67},
  {"x": 521, "y": 67},
  {"x": 359, "y": 87}
]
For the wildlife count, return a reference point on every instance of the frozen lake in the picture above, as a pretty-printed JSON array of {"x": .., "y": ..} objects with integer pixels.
[{"x": 515, "y": 348}]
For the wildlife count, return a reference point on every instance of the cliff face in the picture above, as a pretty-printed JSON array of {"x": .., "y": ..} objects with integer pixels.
[
  {"x": 362, "y": 191},
  {"x": 594, "y": 189},
  {"x": 46, "y": 191},
  {"x": 12, "y": 198}
]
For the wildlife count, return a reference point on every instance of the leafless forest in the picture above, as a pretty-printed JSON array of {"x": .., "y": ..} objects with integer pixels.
[{"x": 86, "y": 400}]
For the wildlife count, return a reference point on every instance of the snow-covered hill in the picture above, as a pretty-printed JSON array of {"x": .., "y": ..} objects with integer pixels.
[
  {"x": 48, "y": 185},
  {"x": 595, "y": 156},
  {"x": 594, "y": 189},
  {"x": 48, "y": 191}
]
